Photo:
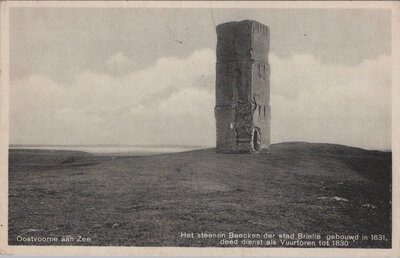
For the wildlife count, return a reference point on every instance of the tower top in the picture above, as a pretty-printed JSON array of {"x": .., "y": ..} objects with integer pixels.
[
  {"x": 242, "y": 40},
  {"x": 252, "y": 23}
]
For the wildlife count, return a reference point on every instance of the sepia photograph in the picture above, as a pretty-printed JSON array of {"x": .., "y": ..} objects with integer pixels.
[{"x": 234, "y": 126}]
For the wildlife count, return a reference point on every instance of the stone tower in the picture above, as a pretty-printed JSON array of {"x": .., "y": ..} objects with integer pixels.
[{"x": 242, "y": 110}]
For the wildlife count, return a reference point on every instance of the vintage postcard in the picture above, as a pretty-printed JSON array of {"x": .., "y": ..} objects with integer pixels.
[{"x": 199, "y": 128}]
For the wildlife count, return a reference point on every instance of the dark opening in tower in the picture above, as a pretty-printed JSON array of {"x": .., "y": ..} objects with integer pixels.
[{"x": 256, "y": 141}]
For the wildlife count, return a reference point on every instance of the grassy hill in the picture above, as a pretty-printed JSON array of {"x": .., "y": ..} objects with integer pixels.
[{"x": 149, "y": 200}]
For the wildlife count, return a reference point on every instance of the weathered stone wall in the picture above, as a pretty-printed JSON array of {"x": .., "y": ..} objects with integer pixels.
[{"x": 242, "y": 108}]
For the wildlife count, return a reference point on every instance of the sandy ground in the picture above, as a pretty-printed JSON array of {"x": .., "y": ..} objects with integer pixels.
[{"x": 150, "y": 200}]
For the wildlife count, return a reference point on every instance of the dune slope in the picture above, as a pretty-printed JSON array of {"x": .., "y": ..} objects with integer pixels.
[{"x": 150, "y": 200}]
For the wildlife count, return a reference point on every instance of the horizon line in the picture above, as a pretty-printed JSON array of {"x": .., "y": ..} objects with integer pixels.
[{"x": 174, "y": 145}]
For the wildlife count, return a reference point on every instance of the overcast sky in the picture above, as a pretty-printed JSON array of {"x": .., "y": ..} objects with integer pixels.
[{"x": 147, "y": 76}]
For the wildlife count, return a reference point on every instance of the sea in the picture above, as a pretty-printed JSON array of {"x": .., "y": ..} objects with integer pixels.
[{"x": 133, "y": 150}]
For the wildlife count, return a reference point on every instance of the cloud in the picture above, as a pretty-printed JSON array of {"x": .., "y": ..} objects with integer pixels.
[
  {"x": 172, "y": 102},
  {"x": 164, "y": 103},
  {"x": 118, "y": 63},
  {"x": 318, "y": 102}
]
